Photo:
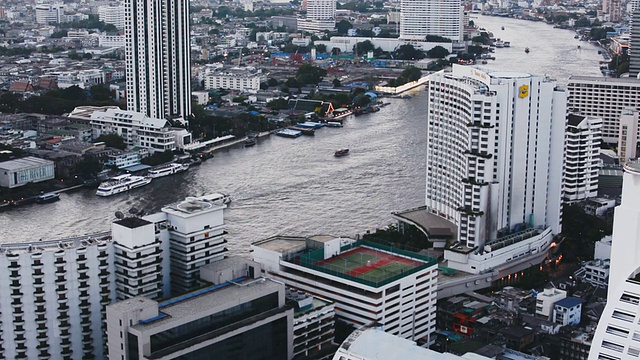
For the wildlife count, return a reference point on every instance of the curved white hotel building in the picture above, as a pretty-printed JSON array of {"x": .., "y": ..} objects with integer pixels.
[
  {"x": 53, "y": 294},
  {"x": 495, "y": 149},
  {"x": 419, "y": 18}
]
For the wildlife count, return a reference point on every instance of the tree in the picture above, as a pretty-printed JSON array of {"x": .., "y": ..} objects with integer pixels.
[
  {"x": 363, "y": 47},
  {"x": 278, "y": 104},
  {"x": 336, "y": 82},
  {"x": 438, "y": 52},
  {"x": 408, "y": 52},
  {"x": 321, "y": 48},
  {"x": 583, "y": 22},
  {"x": 272, "y": 82},
  {"x": 59, "y": 34},
  {"x": 343, "y": 26},
  {"x": 100, "y": 93},
  {"x": 411, "y": 73},
  {"x": 437, "y": 38},
  {"x": 112, "y": 140},
  {"x": 87, "y": 168},
  {"x": 309, "y": 74}
]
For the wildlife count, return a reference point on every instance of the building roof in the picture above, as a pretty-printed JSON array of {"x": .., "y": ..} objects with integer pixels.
[
  {"x": 132, "y": 222},
  {"x": 24, "y": 163},
  {"x": 569, "y": 302},
  {"x": 575, "y": 120}
]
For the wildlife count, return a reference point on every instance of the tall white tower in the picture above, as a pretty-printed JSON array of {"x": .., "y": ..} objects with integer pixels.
[
  {"x": 495, "y": 149},
  {"x": 618, "y": 330},
  {"x": 158, "y": 60},
  {"x": 419, "y": 18}
]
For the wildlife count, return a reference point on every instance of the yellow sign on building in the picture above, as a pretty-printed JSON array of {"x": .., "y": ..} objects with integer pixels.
[{"x": 524, "y": 91}]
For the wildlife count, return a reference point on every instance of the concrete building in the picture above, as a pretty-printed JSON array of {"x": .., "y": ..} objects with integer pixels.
[
  {"x": 494, "y": 164},
  {"x": 596, "y": 272},
  {"x": 321, "y": 15},
  {"x": 313, "y": 325},
  {"x": 112, "y": 14},
  {"x": 634, "y": 43},
  {"x": 605, "y": 98},
  {"x": 54, "y": 293},
  {"x": 567, "y": 311},
  {"x": 367, "y": 282},
  {"x": 242, "y": 79},
  {"x": 49, "y": 13},
  {"x": 137, "y": 129},
  {"x": 19, "y": 172},
  {"x": 546, "y": 300},
  {"x": 613, "y": 10},
  {"x": 419, "y": 18},
  {"x": 618, "y": 333},
  {"x": 628, "y": 135},
  {"x": 346, "y": 43},
  {"x": 158, "y": 58},
  {"x": 582, "y": 162},
  {"x": 239, "y": 316}
]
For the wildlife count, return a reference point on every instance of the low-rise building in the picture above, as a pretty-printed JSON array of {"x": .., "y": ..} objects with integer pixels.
[
  {"x": 546, "y": 299},
  {"x": 567, "y": 311},
  {"x": 19, "y": 172},
  {"x": 313, "y": 325},
  {"x": 242, "y": 79}
]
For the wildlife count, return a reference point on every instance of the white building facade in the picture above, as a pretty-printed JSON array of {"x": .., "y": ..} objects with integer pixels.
[
  {"x": 495, "y": 155},
  {"x": 419, "y": 18},
  {"x": 628, "y": 135},
  {"x": 618, "y": 333},
  {"x": 53, "y": 294},
  {"x": 158, "y": 58},
  {"x": 582, "y": 163},
  {"x": 605, "y": 98},
  {"x": 19, "y": 172},
  {"x": 49, "y": 13},
  {"x": 242, "y": 79},
  {"x": 405, "y": 306},
  {"x": 112, "y": 14},
  {"x": 546, "y": 300}
]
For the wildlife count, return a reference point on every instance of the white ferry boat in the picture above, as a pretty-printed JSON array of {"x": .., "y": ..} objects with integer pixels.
[
  {"x": 122, "y": 183},
  {"x": 168, "y": 169}
]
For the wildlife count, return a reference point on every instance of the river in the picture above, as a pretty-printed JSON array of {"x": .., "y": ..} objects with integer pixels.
[{"x": 296, "y": 186}]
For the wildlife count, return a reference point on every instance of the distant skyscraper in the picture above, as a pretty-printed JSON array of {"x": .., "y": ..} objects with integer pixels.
[
  {"x": 495, "y": 152},
  {"x": 582, "y": 162},
  {"x": 613, "y": 8},
  {"x": 419, "y": 18},
  {"x": 634, "y": 45},
  {"x": 158, "y": 58}
]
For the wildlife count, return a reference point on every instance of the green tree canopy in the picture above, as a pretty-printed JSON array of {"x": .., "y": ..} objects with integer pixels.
[
  {"x": 278, "y": 104},
  {"x": 438, "y": 52},
  {"x": 343, "y": 26},
  {"x": 363, "y": 47},
  {"x": 408, "y": 52},
  {"x": 112, "y": 140},
  {"x": 309, "y": 74}
]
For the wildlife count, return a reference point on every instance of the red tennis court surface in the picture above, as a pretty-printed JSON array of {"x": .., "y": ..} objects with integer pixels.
[{"x": 369, "y": 264}]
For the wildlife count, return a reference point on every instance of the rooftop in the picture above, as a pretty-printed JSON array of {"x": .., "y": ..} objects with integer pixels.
[
  {"x": 366, "y": 262},
  {"x": 193, "y": 205},
  {"x": 201, "y": 301},
  {"x": 24, "y": 163},
  {"x": 132, "y": 222},
  {"x": 432, "y": 224},
  {"x": 568, "y": 302}
]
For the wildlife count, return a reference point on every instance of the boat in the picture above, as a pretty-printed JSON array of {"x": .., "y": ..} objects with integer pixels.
[
  {"x": 333, "y": 124},
  {"x": 503, "y": 28},
  {"x": 341, "y": 152},
  {"x": 167, "y": 169},
  {"x": 484, "y": 62},
  {"x": 303, "y": 130},
  {"x": 499, "y": 43},
  {"x": 122, "y": 183},
  {"x": 526, "y": 50},
  {"x": 506, "y": 44},
  {"x": 289, "y": 133},
  {"x": 578, "y": 46},
  {"x": 250, "y": 142},
  {"x": 47, "y": 198}
]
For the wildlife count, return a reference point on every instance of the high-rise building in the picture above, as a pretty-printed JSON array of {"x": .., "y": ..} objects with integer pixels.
[
  {"x": 628, "y": 138},
  {"x": 368, "y": 282},
  {"x": 613, "y": 10},
  {"x": 618, "y": 333},
  {"x": 53, "y": 294},
  {"x": 605, "y": 98},
  {"x": 419, "y": 18},
  {"x": 158, "y": 58},
  {"x": 47, "y": 13},
  {"x": 634, "y": 45},
  {"x": 321, "y": 15},
  {"x": 112, "y": 14},
  {"x": 582, "y": 163},
  {"x": 495, "y": 152}
]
